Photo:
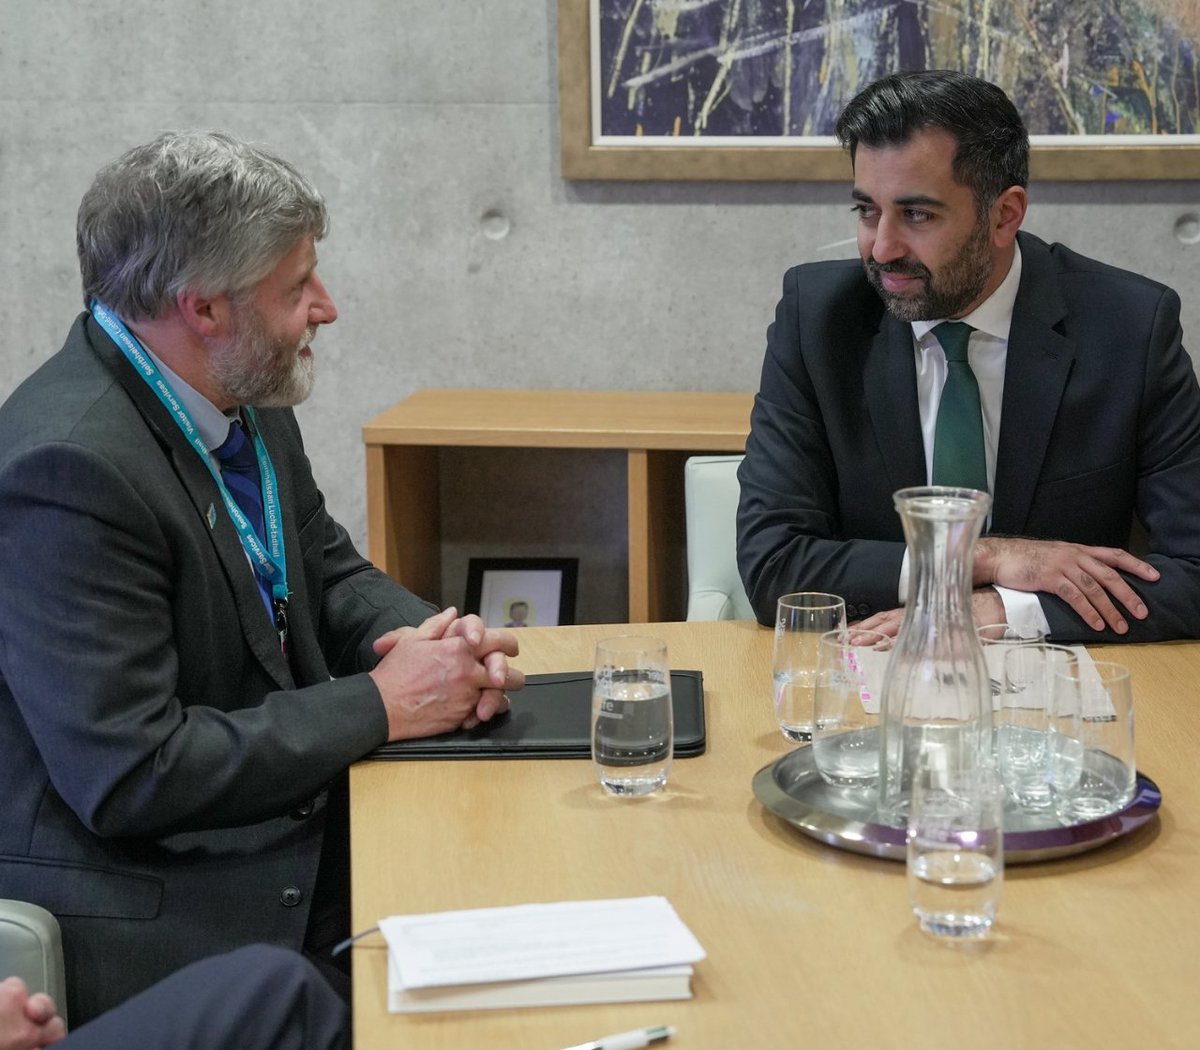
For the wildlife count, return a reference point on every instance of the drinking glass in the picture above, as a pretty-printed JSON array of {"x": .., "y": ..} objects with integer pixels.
[
  {"x": 997, "y": 639},
  {"x": 955, "y": 848},
  {"x": 800, "y": 620},
  {"x": 850, "y": 669},
  {"x": 1025, "y": 721},
  {"x": 632, "y": 731},
  {"x": 1094, "y": 773}
]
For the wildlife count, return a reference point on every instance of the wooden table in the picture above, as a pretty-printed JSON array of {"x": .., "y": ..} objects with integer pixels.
[
  {"x": 808, "y": 946},
  {"x": 656, "y": 431}
]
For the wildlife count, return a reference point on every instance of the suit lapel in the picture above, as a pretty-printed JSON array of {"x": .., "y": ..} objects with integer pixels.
[
  {"x": 1035, "y": 375},
  {"x": 196, "y": 480},
  {"x": 890, "y": 385}
]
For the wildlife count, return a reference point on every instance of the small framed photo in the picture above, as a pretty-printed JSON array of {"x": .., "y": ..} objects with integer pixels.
[{"x": 522, "y": 592}]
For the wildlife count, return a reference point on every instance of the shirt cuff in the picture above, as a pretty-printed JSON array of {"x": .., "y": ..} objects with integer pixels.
[{"x": 1023, "y": 612}]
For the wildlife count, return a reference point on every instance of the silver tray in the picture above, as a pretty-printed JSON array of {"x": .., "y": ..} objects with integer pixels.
[{"x": 846, "y": 817}]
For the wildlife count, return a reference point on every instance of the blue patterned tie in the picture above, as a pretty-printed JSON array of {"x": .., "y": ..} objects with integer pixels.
[
  {"x": 239, "y": 470},
  {"x": 958, "y": 453}
]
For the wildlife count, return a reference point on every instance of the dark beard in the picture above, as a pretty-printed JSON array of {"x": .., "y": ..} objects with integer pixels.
[{"x": 959, "y": 283}]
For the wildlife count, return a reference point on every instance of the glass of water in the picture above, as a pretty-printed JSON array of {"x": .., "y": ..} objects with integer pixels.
[
  {"x": 800, "y": 620},
  {"x": 850, "y": 669},
  {"x": 632, "y": 731},
  {"x": 955, "y": 849}
]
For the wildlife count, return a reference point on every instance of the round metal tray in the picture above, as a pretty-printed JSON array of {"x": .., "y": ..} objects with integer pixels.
[{"x": 845, "y": 817}]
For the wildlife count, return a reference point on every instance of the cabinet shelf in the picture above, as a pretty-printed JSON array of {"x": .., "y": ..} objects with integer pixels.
[{"x": 655, "y": 430}]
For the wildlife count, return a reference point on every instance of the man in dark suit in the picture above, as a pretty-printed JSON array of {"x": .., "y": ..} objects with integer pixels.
[
  {"x": 1087, "y": 416},
  {"x": 254, "y": 998},
  {"x": 191, "y": 650}
]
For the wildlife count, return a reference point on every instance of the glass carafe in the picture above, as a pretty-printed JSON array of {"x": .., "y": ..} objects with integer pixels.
[{"x": 937, "y": 700}]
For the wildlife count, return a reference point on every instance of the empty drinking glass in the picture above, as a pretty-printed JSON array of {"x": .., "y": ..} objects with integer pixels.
[
  {"x": 996, "y": 640},
  {"x": 800, "y": 620},
  {"x": 1094, "y": 773},
  {"x": 1025, "y": 721}
]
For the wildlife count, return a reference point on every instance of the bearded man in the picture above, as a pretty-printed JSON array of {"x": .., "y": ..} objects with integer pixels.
[
  {"x": 1061, "y": 387},
  {"x": 191, "y": 650}
]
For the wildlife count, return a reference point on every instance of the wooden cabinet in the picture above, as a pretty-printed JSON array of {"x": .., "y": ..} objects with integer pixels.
[{"x": 656, "y": 431}]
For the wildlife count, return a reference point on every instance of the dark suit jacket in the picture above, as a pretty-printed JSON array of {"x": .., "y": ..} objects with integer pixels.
[
  {"x": 163, "y": 770},
  {"x": 1100, "y": 422},
  {"x": 255, "y": 998}
]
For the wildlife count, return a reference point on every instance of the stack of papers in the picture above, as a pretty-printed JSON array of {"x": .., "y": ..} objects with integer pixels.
[{"x": 604, "y": 951}]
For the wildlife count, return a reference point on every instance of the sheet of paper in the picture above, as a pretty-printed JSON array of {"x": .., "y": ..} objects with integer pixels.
[{"x": 537, "y": 940}]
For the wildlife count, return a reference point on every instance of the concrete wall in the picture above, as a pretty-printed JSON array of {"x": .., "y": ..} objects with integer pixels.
[{"x": 422, "y": 122}]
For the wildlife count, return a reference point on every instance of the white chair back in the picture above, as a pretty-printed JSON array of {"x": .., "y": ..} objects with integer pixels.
[{"x": 711, "y": 493}]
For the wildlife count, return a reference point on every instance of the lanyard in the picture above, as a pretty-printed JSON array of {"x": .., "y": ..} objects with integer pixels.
[{"x": 269, "y": 562}]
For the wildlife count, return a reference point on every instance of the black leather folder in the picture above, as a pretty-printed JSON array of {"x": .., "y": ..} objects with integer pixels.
[{"x": 551, "y": 718}]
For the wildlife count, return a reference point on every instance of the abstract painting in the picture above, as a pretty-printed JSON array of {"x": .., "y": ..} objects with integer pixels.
[{"x": 775, "y": 73}]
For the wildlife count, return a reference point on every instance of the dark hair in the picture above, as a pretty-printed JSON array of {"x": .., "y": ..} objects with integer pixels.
[{"x": 993, "y": 145}]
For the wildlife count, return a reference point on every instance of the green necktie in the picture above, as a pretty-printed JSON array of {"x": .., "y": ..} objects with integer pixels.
[{"x": 958, "y": 456}]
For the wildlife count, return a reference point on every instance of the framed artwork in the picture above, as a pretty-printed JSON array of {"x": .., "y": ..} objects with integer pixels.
[
  {"x": 522, "y": 592},
  {"x": 750, "y": 89}
]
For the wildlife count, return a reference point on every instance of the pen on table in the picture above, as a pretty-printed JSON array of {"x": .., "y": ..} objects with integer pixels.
[{"x": 635, "y": 1040}]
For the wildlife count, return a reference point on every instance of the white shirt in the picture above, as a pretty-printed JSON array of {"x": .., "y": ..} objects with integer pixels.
[
  {"x": 212, "y": 423},
  {"x": 987, "y": 352}
]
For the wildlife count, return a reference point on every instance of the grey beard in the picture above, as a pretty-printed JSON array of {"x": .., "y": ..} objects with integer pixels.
[{"x": 252, "y": 371}]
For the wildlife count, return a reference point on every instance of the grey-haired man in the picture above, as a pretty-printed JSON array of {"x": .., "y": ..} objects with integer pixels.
[{"x": 191, "y": 650}]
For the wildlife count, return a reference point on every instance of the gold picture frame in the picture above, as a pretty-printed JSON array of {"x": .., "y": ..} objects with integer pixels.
[{"x": 1162, "y": 157}]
